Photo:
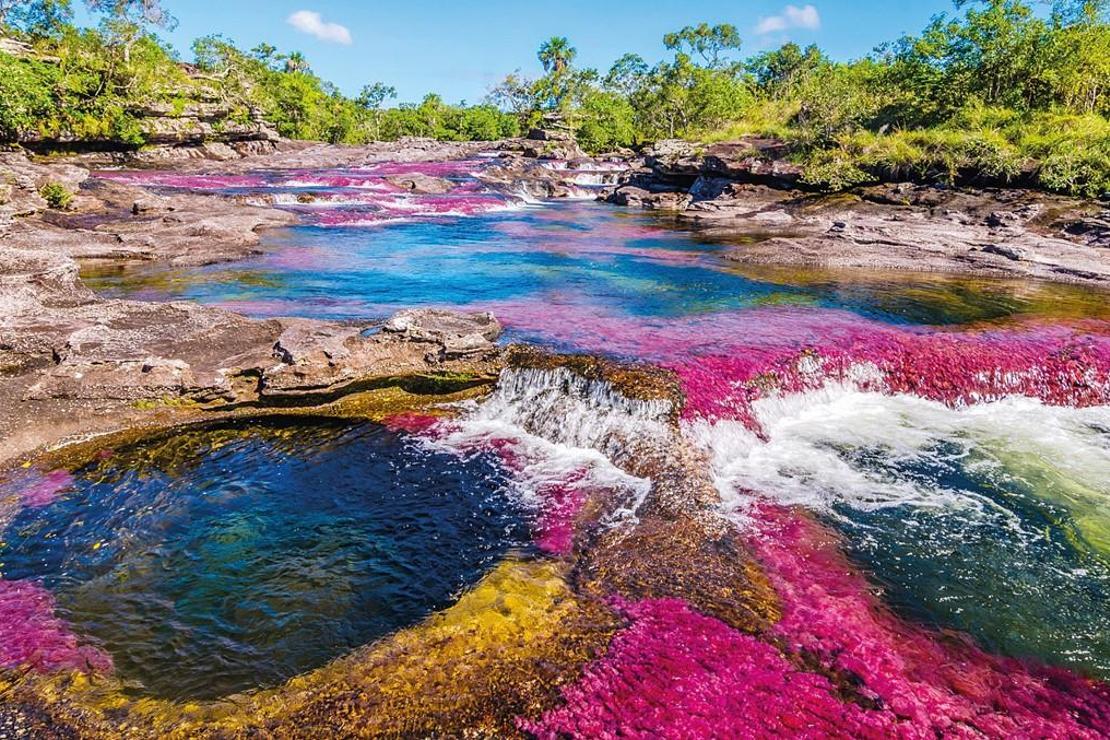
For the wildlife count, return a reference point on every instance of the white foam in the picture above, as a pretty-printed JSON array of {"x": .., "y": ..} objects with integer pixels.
[
  {"x": 595, "y": 179},
  {"x": 806, "y": 458},
  {"x": 562, "y": 428}
]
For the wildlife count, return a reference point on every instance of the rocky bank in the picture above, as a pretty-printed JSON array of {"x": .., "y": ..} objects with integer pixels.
[
  {"x": 747, "y": 191},
  {"x": 72, "y": 363}
]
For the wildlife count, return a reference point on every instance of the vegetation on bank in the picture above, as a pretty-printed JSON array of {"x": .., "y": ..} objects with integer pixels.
[
  {"x": 68, "y": 84},
  {"x": 996, "y": 91}
]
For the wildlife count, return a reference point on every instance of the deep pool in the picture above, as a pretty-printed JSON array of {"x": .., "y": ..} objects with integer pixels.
[{"x": 226, "y": 558}]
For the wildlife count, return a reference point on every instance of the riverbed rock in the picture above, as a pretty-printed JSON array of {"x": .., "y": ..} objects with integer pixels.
[
  {"x": 748, "y": 191},
  {"x": 454, "y": 334},
  {"x": 1093, "y": 231},
  {"x": 420, "y": 183}
]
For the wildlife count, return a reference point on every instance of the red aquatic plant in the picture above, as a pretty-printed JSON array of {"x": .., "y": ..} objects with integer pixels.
[{"x": 676, "y": 673}]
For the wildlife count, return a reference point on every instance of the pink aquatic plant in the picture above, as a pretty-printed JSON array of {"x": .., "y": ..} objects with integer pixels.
[
  {"x": 728, "y": 360},
  {"x": 562, "y": 501},
  {"x": 838, "y": 664},
  {"x": 412, "y": 423},
  {"x": 42, "y": 489},
  {"x": 675, "y": 673},
  {"x": 32, "y": 636},
  {"x": 935, "y": 684},
  {"x": 1055, "y": 364}
]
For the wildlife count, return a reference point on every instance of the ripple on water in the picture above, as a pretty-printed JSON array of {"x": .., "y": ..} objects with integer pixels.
[{"x": 220, "y": 559}]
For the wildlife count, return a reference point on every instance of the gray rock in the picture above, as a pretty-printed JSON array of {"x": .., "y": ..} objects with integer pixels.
[
  {"x": 464, "y": 331},
  {"x": 419, "y": 183}
]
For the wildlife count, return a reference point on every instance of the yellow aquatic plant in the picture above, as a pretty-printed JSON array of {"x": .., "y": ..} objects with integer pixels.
[{"x": 502, "y": 651}]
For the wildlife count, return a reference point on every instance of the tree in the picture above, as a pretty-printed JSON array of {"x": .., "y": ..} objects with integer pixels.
[
  {"x": 780, "y": 72},
  {"x": 432, "y": 111},
  {"x": 372, "y": 96},
  {"x": 515, "y": 93},
  {"x": 1068, "y": 12},
  {"x": 36, "y": 17},
  {"x": 556, "y": 55},
  {"x": 140, "y": 12},
  {"x": 557, "y": 89},
  {"x": 126, "y": 20},
  {"x": 993, "y": 54},
  {"x": 265, "y": 53},
  {"x": 839, "y": 98},
  {"x": 710, "y": 43},
  {"x": 371, "y": 99},
  {"x": 680, "y": 98},
  {"x": 606, "y": 121},
  {"x": 627, "y": 75},
  {"x": 1076, "y": 71}
]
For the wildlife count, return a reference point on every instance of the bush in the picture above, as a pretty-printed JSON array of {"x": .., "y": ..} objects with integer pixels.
[
  {"x": 607, "y": 122},
  {"x": 1083, "y": 172},
  {"x": 57, "y": 196},
  {"x": 25, "y": 97},
  {"x": 833, "y": 171}
]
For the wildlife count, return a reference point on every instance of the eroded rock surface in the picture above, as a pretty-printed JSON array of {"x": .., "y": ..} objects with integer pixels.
[
  {"x": 73, "y": 363},
  {"x": 746, "y": 190},
  {"x": 115, "y": 221}
]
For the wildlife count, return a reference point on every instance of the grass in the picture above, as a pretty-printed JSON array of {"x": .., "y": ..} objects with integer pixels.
[{"x": 1059, "y": 152}]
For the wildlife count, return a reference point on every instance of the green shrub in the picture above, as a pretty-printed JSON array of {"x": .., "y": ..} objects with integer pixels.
[
  {"x": 833, "y": 171},
  {"x": 57, "y": 196},
  {"x": 1076, "y": 172},
  {"x": 25, "y": 95}
]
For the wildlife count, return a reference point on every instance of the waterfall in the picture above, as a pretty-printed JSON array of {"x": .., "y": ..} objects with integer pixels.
[
  {"x": 564, "y": 407},
  {"x": 560, "y": 431}
]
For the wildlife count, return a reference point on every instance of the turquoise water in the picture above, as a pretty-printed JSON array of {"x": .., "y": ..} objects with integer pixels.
[
  {"x": 222, "y": 559},
  {"x": 1009, "y": 566},
  {"x": 584, "y": 259}
]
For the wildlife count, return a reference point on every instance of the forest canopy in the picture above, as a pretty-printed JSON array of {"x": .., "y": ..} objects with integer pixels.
[{"x": 999, "y": 87}]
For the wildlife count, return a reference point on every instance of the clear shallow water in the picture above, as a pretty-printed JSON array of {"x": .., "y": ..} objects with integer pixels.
[
  {"x": 226, "y": 558},
  {"x": 585, "y": 260},
  {"x": 961, "y": 528}
]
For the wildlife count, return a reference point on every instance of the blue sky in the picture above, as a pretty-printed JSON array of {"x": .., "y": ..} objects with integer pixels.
[{"x": 459, "y": 48}]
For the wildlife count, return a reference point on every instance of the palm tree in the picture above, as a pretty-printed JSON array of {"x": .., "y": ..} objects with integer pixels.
[
  {"x": 296, "y": 62},
  {"x": 556, "y": 54}
]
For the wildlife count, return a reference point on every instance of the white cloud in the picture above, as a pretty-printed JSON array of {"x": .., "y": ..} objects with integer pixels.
[
  {"x": 312, "y": 23},
  {"x": 791, "y": 17}
]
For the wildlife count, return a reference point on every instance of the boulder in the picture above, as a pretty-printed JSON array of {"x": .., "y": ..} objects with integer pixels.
[
  {"x": 457, "y": 334},
  {"x": 420, "y": 183}
]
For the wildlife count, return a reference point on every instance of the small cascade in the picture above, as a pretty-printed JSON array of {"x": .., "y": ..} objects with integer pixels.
[
  {"x": 592, "y": 178},
  {"x": 567, "y": 438},
  {"x": 564, "y": 407}
]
